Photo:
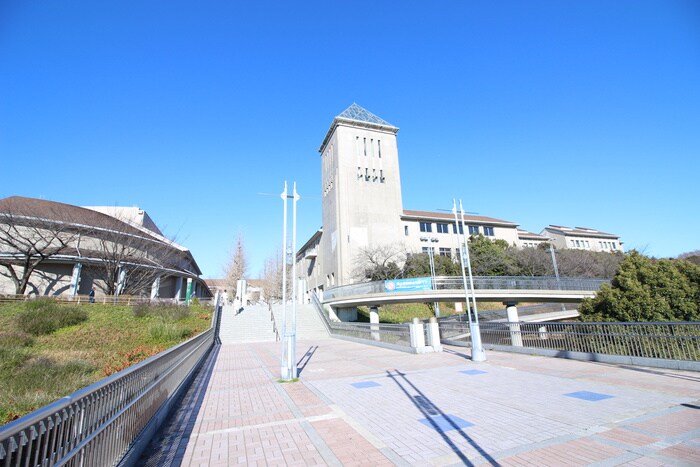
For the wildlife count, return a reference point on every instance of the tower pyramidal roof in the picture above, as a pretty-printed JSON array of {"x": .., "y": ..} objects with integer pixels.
[
  {"x": 355, "y": 112},
  {"x": 359, "y": 117}
]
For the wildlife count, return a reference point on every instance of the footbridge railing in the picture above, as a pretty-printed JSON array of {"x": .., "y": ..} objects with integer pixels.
[
  {"x": 480, "y": 283},
  {"x": 108, "y": 422},
  {"x": 666, "y": 345}
]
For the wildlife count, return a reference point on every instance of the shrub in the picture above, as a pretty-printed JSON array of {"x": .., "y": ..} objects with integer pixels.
[
  {"x": 15, "y": 339},
  {"x": 161, "y": 310},
  {"x": 167, "y": 332},
  {"x": 44, "y": 316}
]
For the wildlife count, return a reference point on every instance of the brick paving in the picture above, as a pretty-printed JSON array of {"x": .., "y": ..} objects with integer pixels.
[{"x": 356, "y": 404}]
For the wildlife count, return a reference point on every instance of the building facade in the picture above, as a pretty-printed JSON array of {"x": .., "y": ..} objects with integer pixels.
[
  {"x": 362, "y": 209},
  {"x": 582, "y": 238},
  {"x": 74, "y": 249}
]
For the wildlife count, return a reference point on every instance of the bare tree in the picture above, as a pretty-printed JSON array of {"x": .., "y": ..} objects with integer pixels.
[
  {"x": 28, "y": 239},
  {"x": 272, "y": 279},
  {"x": 380, "y": 262},
  {"x": 129, "y": 261},
  {"x": 237, "y": 266}
]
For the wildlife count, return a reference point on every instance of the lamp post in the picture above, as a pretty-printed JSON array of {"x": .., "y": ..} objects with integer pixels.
[
  {"x": 554, "y": 263},
  {"x": 478, "y": 354},
  {"x": 289, "y": 368},
  {"x": 432, "y": 271}
]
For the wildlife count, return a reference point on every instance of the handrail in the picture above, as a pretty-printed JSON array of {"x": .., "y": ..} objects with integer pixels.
[
  {"x": 102, "y": 299},
  {"x": 675, "y": 341},
  {"x": 274, "y": 323},
  {"x": 98, "y": 425},
  {"x": 480, "y": 283}
]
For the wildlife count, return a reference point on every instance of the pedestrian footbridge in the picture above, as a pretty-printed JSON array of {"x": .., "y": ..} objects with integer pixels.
[{"x": 507, "y": 289}]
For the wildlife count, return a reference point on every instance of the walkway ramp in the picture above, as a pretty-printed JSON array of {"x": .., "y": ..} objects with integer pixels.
[
  {"x": 356, "y": 404},
  {"x": 309, "y": 324},
  {"x": 250, "y": 324}
]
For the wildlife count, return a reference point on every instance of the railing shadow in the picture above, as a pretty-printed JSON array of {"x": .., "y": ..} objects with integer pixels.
[
  {"x": 430, "y": 410},
  {"x": 168, "y": 445},
  {"x": 301, "y": 364}
]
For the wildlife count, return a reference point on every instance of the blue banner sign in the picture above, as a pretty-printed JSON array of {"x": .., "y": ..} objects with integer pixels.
[{"x": 408, "y": 285}]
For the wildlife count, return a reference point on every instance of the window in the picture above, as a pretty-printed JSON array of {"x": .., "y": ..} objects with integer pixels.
[
  {"x": 614, "y": 246},
  {"x": 426, "y": 227},
  {"x": 427, "y": 249},
  {"x": 442, "y": 228},
  {"x": 379, "y": 148},
  {"x": 488, "y": 231},
  {"x": 461, "y": 229},
  {"x": 405, "y": 230},
  {"x": 446, "y": 252},
  {"x": 474, "y": 230}
]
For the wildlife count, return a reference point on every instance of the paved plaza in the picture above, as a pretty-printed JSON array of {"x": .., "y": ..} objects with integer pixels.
[{"x": 357, "y": 404}]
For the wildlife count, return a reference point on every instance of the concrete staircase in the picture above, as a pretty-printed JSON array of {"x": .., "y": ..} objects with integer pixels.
[
  {"x": 309, "y": 323},
  {"x": 250, "y": 325}
]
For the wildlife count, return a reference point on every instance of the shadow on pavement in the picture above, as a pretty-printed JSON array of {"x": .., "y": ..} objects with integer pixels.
[
  {"x": 305, "y": 359},
  {"x": 432, "y": 412}
]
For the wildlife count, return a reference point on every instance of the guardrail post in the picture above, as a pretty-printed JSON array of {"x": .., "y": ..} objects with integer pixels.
[
  {"x": 417, "y": 336},
  {"x": 434, "y": 335},
  {"x": 516, "y": 337},
  {"x": 374, "y": 322}
]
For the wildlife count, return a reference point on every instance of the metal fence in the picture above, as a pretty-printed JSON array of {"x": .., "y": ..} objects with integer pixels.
[
  {"x": 103, "y": 299},
  {"x": 480, "y": 282},
  {"x": 395, "y": 336},
  {"x": 99, "y": 424},
  {"x": 662, "y": 341}
]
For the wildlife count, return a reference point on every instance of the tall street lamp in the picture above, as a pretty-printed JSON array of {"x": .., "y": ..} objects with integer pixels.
[
  {"x": 478, "y": 354},
  {"x": 289, "y": 367}
]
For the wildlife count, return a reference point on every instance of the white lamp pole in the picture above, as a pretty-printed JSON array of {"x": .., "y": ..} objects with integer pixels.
[
  {"x": 478, "y": 354},
  {"x": 289, "y": 368}
]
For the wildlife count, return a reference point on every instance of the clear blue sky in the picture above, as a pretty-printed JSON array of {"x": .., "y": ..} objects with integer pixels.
[{"x": 578, "y": 113}]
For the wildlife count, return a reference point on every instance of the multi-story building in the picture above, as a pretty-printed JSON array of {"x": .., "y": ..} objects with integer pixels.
[
  {"x": 362, "y": 208},
  {"x": 582, "y": 238}
]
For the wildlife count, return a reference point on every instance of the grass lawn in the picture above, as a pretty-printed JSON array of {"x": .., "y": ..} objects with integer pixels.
[
  {"x": 50, "y": 350},
  {"x": 405, "y": 312}
]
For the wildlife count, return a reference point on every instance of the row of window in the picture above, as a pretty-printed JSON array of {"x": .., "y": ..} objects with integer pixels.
[
  {"x": 368, "y": 149},
  {"x": 580, "y": 244},
  {"x": 608, "y": 245},
  {"x": 442, "y": 252},
  {"x": 443, "y": 227}
]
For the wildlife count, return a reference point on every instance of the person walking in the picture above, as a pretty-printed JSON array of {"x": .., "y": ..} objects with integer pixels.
[{"x": 92, "y": 295}]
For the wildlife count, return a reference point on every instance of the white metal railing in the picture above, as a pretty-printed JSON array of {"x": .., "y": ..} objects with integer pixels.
[
  {"x": 99, "y": 424},
  {"x": 665, "y": 341},
  {"x": 480, "y": 283},
  {"x": 393, "y": 335}
]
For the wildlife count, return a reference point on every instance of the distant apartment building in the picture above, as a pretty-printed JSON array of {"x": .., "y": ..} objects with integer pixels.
[
  {"x": 582, "y": 238},
  {"x": 362, "y": 207}
]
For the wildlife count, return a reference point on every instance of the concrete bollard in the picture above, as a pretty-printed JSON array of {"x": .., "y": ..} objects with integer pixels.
[
  {"x": 417, "y": 336},
  {"x": 434, "y": 335}
]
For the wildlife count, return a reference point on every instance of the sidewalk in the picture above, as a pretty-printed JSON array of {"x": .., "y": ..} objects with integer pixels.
[{"x": 362, "y": 405}]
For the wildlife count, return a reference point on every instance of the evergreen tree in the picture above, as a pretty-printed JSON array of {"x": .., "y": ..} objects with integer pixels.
[{"x": 645, "y": 289}]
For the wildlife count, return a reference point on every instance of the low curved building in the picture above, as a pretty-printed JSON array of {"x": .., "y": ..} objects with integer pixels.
[{"x": 57, "y": 249}]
